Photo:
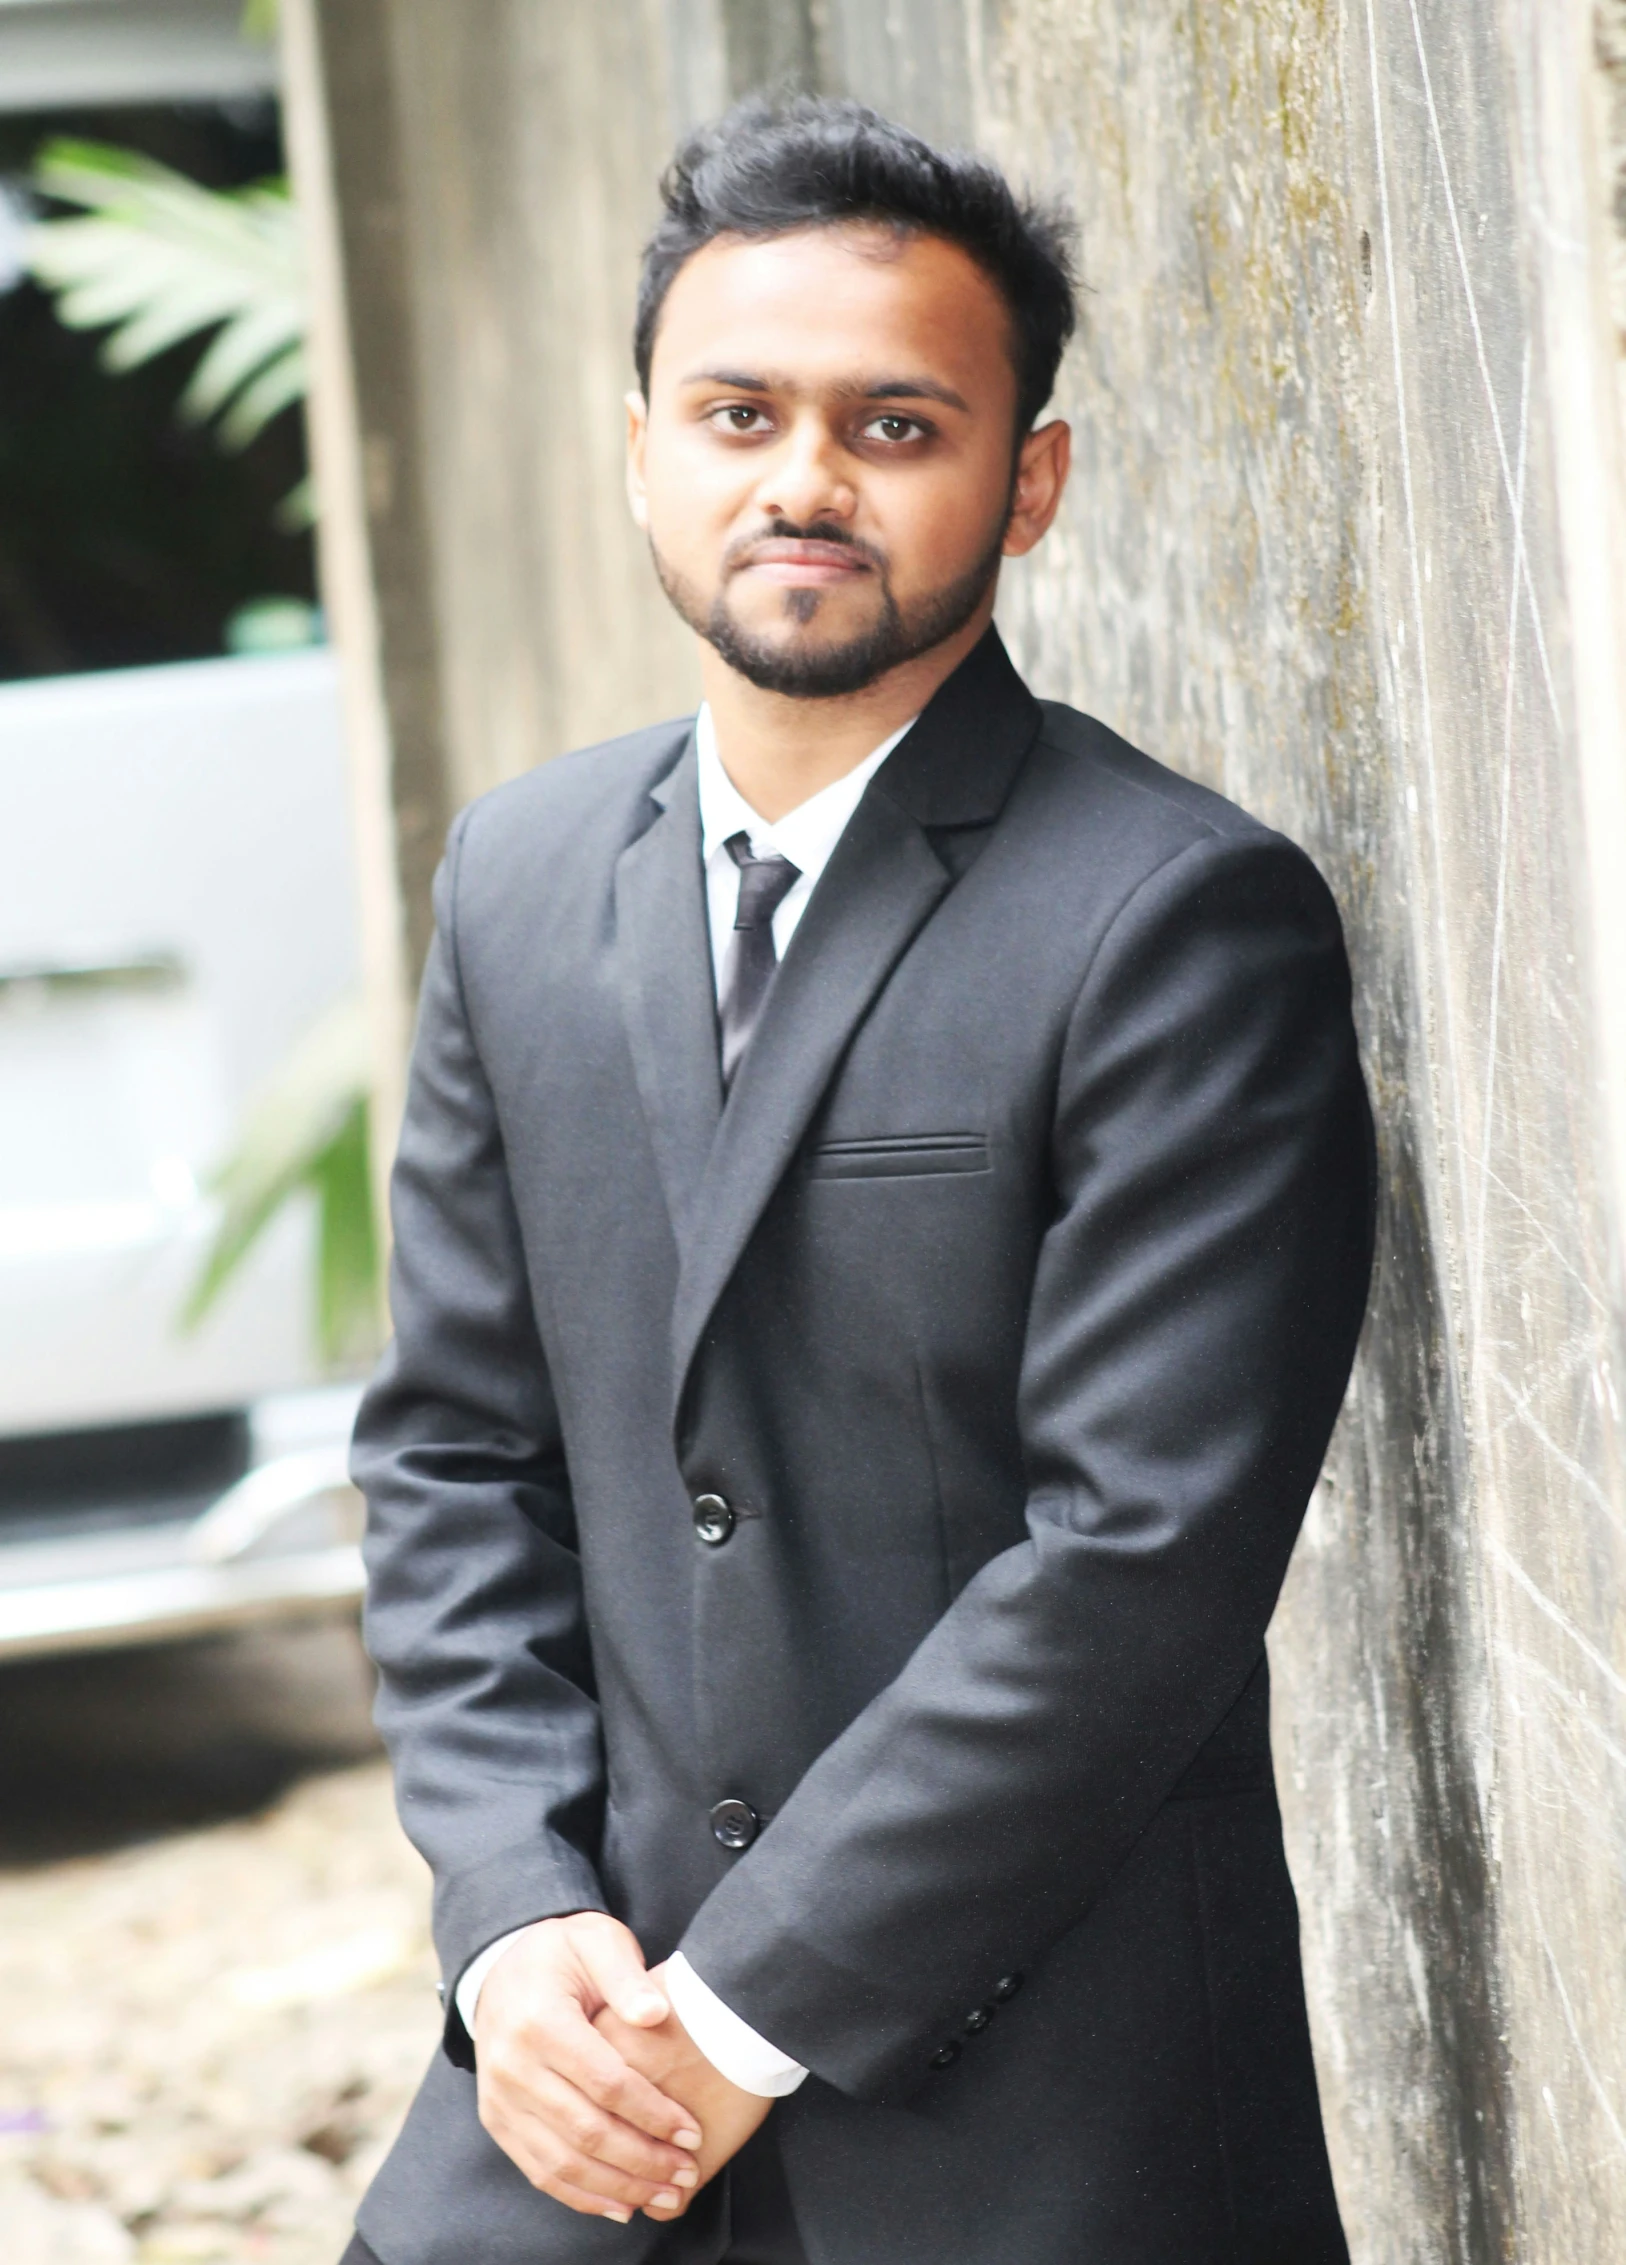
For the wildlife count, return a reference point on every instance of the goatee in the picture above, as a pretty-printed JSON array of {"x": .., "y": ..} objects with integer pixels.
[{"x": 805, "y": 671}]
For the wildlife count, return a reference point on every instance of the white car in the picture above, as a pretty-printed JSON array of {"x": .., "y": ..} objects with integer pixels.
[{"x": 175, "y": 913}]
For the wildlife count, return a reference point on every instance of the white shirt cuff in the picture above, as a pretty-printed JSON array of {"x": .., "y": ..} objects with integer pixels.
[
  {"x": 473, "y": 1976},
  {"x": 731, "y": 2045}
]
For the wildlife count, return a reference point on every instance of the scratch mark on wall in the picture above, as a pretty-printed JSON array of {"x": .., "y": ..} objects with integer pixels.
[
  {"x": 1448, "y": 1047},
  {"x": 1555, "y": 1688},
  {"x": 1521, "y": 562},
  {"x": 1487, "y": 1109},
  {"x": 1553, "y": 1248},
  {"x": 1544, "y": 1604},
  {"x": 1581, "y": 2053},
  {"x": 1577, "y": 1471}
]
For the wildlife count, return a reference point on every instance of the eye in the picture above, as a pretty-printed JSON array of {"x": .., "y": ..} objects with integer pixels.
[
  {"x": 738, "y": 417},
  {"x": 893, "y": 427}
]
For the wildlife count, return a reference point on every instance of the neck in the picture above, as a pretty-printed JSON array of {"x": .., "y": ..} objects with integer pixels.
[{"x": 779, "y": 751}]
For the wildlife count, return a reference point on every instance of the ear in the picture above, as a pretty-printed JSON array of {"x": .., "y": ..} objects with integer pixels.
[
  {"x": 637, "y": 435},
  {"x": 1042, "y": 465}
]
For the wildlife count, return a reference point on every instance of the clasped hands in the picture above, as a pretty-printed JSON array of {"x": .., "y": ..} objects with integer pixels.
[{"x": 590, "y": 2083}]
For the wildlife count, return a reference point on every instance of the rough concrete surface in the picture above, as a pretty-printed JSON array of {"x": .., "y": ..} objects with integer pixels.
[
  {"x": 211, "y": 2034},
  {"x": 1318, "y": 554},
  {"x": 1345, "y": 538}
]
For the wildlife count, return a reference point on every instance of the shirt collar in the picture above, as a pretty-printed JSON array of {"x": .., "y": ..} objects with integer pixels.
[{"x": 807, "y": 834}]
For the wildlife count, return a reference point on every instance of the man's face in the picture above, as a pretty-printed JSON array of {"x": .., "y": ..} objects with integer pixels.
[{"x": 824, "y": 466}]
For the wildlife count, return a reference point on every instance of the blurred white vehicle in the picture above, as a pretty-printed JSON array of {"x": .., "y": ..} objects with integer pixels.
[{"x": 175, "y": 913}]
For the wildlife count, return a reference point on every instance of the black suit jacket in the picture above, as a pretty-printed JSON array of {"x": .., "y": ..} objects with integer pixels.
[{"x": 1008, "y": 1304}]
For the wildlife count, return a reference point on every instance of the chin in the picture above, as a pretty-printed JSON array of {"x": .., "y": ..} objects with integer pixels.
[
  {"x": 814, "y": 660},
  {"x": 807, "y": 621}
]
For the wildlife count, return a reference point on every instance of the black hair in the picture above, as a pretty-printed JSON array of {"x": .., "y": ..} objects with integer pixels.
[{"x": 774, "y": 165}]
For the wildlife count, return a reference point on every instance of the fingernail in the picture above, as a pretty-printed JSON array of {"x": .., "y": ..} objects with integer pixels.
[
  {"x": 646, "y": 2007},
  {"x": 621, "y": 2217},
  {"x": 685, "y": 2177},
  {"x": 667, "y": 2199},
  {"x": 686, "y": 2138}
]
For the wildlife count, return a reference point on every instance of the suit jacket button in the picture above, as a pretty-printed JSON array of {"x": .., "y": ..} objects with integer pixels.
[
  {"x": 977, "y": 2021},
  {"x": 734, "y": 1824},
  {"x": 713, "y": 1520},
  {"x": 1006, "y": 1988},
  {"x": 945, "y": 2055}
]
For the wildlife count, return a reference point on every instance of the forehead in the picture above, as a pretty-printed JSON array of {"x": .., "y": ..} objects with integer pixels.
[{"x": 834, "y": 304}]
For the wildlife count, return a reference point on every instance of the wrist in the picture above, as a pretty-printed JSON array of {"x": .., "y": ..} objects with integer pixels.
[
  {"x": 748, "y": 2061},
  {"x": 472, "y": 1980}
]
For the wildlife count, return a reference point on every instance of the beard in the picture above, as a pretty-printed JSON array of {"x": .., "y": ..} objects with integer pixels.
[{"x": 803, "y": 670}]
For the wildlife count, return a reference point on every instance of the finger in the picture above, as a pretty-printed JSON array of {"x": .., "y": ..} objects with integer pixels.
[
  {"x": 594, "y": 2132},
  {"x": 569, "y": 2044},
  {"x": 614, "y": 1965},
  {"x": 525, "y": 2101},
  {"x": 557, "y": 2165},
  {"x": 590, "y": 2205},
  {"x": 550, "y": 2162}
]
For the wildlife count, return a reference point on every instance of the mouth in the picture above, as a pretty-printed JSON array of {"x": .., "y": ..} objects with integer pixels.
[{"x": 804, "y": 563}]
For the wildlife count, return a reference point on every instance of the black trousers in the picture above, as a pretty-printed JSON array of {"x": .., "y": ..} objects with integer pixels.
[{"x": 747, "y": 2208}]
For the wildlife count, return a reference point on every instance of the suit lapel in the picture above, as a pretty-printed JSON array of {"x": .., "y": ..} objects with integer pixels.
[
  {"x": 666, "y": 989},
  {"x": 882, "y": 883}
]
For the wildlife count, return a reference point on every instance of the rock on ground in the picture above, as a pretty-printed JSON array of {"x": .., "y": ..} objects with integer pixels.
[{"x": 210, "y": 2040}]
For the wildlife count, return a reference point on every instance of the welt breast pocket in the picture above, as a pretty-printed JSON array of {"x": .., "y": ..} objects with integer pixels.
[{"x": 899, "y": 1156}]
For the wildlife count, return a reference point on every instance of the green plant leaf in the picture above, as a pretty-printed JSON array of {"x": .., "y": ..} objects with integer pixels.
[
  {"x": 296, "y": 513},
  {"x": 347, "y": 1285},
  {"x": 306, "y": 1130},
  {"x": 255, "y": 342},
  {"x": 279, "y": 384},
  {"x": 156, "y": 259}
]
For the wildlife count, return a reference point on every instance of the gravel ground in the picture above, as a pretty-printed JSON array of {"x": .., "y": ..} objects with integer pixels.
[{"x": 212, "y": 2028}]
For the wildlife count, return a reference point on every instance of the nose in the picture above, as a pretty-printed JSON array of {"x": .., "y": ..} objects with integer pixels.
[{"x": 807, "y": 478}]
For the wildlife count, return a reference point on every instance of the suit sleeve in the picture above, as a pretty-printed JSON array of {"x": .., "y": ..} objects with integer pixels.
[
  {"x": 1193, "y": 1318},
  {"x": 474, "y": 1611}
]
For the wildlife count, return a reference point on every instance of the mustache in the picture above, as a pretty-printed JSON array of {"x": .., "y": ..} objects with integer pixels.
[{"x": 815, "y": 531}]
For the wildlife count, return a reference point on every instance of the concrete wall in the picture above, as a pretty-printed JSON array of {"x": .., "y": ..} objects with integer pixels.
[{"x": 1345, "y": 538}]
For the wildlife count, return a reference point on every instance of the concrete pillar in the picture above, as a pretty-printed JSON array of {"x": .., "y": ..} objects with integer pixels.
[{"x": 1346, "y": 539}]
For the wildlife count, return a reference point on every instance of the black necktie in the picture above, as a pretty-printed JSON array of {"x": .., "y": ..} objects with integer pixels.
[{"x": 765, "y": 882}]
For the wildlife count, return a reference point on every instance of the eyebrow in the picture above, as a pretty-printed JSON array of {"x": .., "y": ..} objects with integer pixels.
[{"x": 883, "y": 389}]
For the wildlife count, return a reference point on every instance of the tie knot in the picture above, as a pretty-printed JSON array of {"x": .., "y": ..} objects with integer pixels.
[{"x": 765, "y": 882}]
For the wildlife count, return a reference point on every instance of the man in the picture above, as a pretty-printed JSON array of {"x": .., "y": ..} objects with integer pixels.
[{"x": 882, "y": 1221}]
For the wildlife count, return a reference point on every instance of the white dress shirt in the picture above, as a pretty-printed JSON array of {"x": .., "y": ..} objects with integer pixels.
[{"x": 806, "y": 835}]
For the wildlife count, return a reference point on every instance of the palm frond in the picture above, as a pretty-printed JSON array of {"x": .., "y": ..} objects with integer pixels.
[
  {"x": 156, "y": 259},
  {"x": 347, "y": 1286},
  {"x": 306, "y": 1130},
  {"x": 296, "y": 513},
  {"x": 272, "y": 389},
  {"x": 257, "y": 341}
]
